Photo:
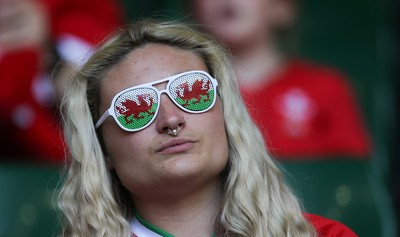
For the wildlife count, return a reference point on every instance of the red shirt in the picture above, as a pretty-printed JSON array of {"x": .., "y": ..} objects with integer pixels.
[
  {"x": 329, "y": 228},
  {"x": 323, "y": 226},
  {"x": 30, "y": 128},
  {"x": 308, "y": 111},
  {"x": 90, "y": 20}
]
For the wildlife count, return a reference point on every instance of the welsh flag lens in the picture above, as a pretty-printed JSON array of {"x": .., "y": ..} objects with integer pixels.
[
  {"x": 136, "y": 108},
  {"x": 193, "y": 92}
]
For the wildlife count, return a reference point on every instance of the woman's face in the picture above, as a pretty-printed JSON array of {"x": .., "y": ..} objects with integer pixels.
[
  {"x": 238, "y": 22},
  {"x": 150, "y": 161}
]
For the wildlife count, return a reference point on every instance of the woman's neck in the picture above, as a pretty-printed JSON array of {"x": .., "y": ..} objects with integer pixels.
[
  {"x": 192, "y": 214},
  {"x": 256, "y": 63}
]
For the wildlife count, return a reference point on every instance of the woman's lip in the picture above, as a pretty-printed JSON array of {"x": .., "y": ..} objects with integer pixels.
[{"x": 176, "y": 145}]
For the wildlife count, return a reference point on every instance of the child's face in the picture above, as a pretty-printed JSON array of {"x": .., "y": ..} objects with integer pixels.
[{"x": 237, "y": 22}]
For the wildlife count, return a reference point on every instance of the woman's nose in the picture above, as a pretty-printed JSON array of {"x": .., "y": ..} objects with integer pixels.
[{"x": 169, "y": 115}]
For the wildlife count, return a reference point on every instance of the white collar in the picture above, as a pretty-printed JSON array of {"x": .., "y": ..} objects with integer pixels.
[{"x": 140, "y": 230}]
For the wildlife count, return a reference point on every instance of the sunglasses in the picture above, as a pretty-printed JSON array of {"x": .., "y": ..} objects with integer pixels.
[{"x": 135, "y": 108}]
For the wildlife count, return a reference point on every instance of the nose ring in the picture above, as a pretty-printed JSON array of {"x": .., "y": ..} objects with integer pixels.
[{"x": 173, "y": 132}]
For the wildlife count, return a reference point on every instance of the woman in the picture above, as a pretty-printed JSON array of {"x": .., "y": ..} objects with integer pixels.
[{"x": 175, "y": 159}]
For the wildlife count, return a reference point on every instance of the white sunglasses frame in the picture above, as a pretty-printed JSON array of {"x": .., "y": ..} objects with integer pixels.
[{"x": 110, "y": 111}]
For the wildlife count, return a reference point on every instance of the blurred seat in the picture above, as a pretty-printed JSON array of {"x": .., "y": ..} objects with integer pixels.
[
  {"x": 27, "y": 206},
  {"x": 345, "y": 190}
]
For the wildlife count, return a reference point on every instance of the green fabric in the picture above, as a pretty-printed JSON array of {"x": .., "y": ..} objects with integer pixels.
[{"x": 151, "y": 226}]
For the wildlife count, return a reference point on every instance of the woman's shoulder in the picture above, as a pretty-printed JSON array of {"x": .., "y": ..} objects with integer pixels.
[{"x": 329, "y": 228}]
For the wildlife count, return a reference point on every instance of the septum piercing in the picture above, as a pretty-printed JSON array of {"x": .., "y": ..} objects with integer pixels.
[{"x": 174, "y": 132}]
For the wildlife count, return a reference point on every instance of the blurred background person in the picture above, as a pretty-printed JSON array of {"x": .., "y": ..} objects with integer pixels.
[
  {"x": 35, "y": 35},
  {"x": 41, "y": 42},
  {"x": 306, "y": 110}
]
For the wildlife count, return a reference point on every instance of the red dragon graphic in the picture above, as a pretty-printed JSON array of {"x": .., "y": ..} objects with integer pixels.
[
  {"x": 134, "y": 108},
  {"x": 198, "y": 90}
]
